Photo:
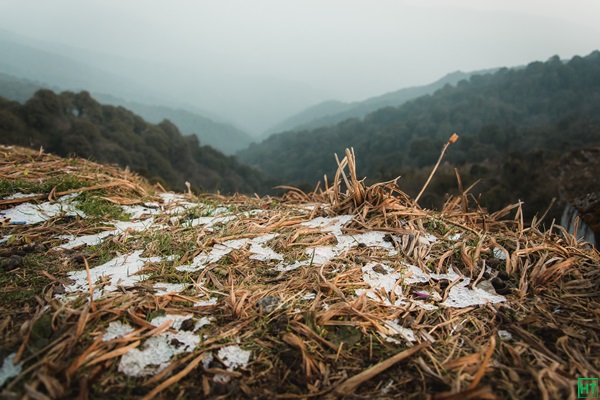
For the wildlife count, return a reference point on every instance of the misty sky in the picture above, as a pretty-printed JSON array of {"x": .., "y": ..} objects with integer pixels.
[{"x": 256, "y": 62}]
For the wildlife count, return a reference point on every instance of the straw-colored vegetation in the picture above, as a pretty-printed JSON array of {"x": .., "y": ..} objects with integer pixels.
[{"x": 320, "y": 330}]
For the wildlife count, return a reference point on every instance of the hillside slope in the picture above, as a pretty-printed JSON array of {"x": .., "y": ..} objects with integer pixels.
[
  {"x": 332, "y": 112},
  {"x": 71, "y": 123},
  {"x": 220, "y": 135},
  {"x": 514, "y": 125}
]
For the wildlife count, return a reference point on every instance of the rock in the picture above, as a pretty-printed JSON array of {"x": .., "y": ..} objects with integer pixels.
[
  {"x": 9, "y": 263},
  {"x": 268, "y": 304},
  {"x": 187, "y": 325},
  {"x": 582, "y": 217},
  {"x": 503, "y": 275},
  {"x": 579, "y": 189}
]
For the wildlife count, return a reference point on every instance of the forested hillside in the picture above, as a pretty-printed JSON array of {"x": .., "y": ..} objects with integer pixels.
[
  {"x": 219, "y": 135},
  {"x": 514, "y": 126},
  {"x": 222, "y": 136},
  {"x": 331, "y": 112},
  {"x": 70, "y": 123}
]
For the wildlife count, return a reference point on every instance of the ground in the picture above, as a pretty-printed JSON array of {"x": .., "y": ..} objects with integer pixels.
[{"x": 113, "y": 288}]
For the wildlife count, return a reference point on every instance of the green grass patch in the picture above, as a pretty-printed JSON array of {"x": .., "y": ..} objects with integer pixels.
[
  {"x": 435, "y": 225},
  {"x": 165, "y": 273},
  {"x": 61, "y": 183},
  {"x": 165, "y": 243},
  {"x": 20, "y": 286},
  {"x": 94, "y": 206}
]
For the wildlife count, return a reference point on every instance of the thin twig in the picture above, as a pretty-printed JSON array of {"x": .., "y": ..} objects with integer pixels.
[{"x": 452, "y": 139}]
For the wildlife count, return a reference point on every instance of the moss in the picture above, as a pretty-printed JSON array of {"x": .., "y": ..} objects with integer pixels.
[
  {"x": 61, "y": 183},
  {"x": 435, "y": 225},
  {"x": 22, "y": 285},
  {"x": 95, "y": 206}
]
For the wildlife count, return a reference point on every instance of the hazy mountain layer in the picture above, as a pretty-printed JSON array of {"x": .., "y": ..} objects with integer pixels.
[
  {"x": 37, "y": 68},
  {"x": 332, "y": 112},
  {"x": 223, "y": 137},
  {"x": 220, "y": 91}
]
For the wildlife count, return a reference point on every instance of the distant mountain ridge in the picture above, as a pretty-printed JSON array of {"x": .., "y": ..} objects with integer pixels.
[
  {"x": 37, "y": 69},
  {"x": 332, "y": 112}
]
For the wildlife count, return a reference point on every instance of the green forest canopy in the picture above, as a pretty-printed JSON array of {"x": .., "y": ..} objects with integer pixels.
[
  {"x": 70, "y": 123},
  {"x": 514, "y": 126}
]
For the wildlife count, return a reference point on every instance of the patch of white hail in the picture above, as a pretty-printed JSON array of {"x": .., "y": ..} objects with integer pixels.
[
  {"x": 322, "y": 254},
  {"x": 176, "y": 318},
  {"x": 171, "y": 197},
  {"x": 262, "y": 253},
  {"x": 115, "y": 330},
  {"x": 232, "y": 357},
  {"x": 257, "y": 248},
  {"x": 333, "y": 225},
  {"x": 460, "y": 295},
  {"x": 202, "y": 322},
  {"x": 19, "y": 195},
  {"x": 505, "y": 336},
  {"x": 163, "y": 289},
  {"x": 205, "y": 303},
  {"x": 394, "y": 328},
  {"x": 88, "y": 240},
  {"x": 119, "y": 228},
  {"x": 209, "y": 222},
  {"x": 499, "y": 253},
  {"x": 427, "y": 239},
  {"x": 28, "y": 213},
  {"x": 137, "y": 212},
  {"x": 414, "y": 274},
  {"x": 454, "y": 237},
  {"x": 9, "y": 369},
  {"x": 309, "y": 296},
  {"x": 370, "y": 239},
  {"x": 212, "y": 216},
  {"x": 386, "y": 280},
  {"x": 120, "y": 271},
  {"x": 155, "y": 354},
  {"x": 218, "y": 251}
]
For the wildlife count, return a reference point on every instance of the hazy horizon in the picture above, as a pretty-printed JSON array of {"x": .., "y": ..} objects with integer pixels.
[{"x": 256, "y": 63}]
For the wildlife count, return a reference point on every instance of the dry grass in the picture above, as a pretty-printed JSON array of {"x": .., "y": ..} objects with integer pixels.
[{"x": 326, "y": 347}]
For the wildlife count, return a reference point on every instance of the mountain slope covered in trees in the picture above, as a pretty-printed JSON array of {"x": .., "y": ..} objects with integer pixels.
[
  {"x": 220, "y": 135},
  {"x": 514, "y": 127},
  {"x": 332, "y": 112},
  {"x": 70, "y": 123}
]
